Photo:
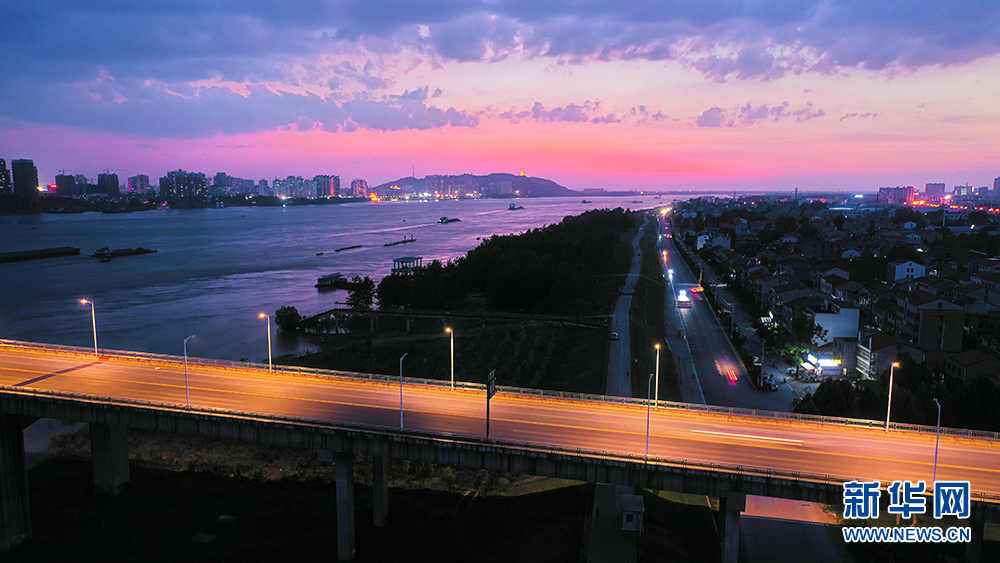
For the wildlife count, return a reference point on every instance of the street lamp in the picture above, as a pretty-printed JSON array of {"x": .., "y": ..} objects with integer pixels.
[
  {"x": 657, "y": 373},
  {"x": 401, "y": 389},
  {"x": 93, "y": 321},
  {"x": 270, "y": 366},
  {"x": 649, "y": 387},
  {"x": 888, "y": 408},
  {"x": 937, "y": 440},
  {"x": 187, "y": 389},
  {"x": 452, "y": 333}
]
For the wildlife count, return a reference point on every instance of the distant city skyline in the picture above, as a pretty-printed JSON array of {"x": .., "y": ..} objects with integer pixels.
[{"x": 697, "y": 95}]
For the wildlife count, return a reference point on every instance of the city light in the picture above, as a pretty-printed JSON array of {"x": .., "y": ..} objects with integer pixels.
[
  {"x": 93, "y": 321},
  {"x": 270, "y": 366}
]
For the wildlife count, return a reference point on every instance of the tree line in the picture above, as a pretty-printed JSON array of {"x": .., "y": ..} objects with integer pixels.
[{"x": 545, "y": 270}]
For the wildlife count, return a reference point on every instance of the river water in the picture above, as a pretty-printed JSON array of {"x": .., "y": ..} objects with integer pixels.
[{"x": 215, "y": 270}]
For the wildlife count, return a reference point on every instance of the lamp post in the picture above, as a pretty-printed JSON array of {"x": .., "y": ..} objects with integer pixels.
[
  {"x": 649, "y": 387},
  {"x": 937, "y": 440},
  {"x": 187, "y": 388},
  {"x": 657, "y": 373},
  {"x": 93, "y": 321},
  {"x": 888, "y": 408},
  {"x": 452, "y": 333},
  {"x": 270, "y": 366},
  {"x": 401, "y": 389}
]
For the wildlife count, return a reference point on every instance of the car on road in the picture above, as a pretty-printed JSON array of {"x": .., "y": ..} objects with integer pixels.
[{"x": 614, "y": 336}]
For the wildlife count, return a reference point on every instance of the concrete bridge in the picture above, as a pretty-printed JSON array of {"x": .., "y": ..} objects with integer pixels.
[{"x": 695, "y": 449}]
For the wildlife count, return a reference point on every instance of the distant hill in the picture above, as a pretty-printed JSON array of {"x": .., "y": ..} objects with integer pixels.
[{"x": 524, "y": 186}]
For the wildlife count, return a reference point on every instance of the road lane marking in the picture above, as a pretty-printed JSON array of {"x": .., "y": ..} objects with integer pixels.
[{"x": 750, "y": 436}]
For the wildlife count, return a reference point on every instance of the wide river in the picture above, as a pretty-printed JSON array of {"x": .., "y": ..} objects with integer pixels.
[{"x": 217, "y": 269}]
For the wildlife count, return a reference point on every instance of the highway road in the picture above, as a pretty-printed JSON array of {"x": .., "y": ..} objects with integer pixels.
[
  {"x": 723, "y": 379},
  {"x": 620, "y": 354},
  {"x": 794, "y": 446}
]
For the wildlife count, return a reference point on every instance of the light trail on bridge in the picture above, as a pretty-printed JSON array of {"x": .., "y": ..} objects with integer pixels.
[{"x": 783, "y": 445}]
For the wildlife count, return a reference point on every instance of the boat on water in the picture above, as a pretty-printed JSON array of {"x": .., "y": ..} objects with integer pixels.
[
  {"x": 447, "y": 220},
  {"x": 334, "y": 281},
  {"x": 515, "y": 207},
  {"x": 348, "y": 247},
  {"x": 403, "y": 241},
  {"x": 586, "y": 201},
  {"x": 106, "y": 254}
]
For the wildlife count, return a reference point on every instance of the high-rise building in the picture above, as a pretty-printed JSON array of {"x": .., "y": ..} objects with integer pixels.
[
  {"x": 324, "y": 185},
  {"x": 79, "y": 184},
  {"x": 25, "y": 180},
  {"x": 934, "y": 192},
  {"x": 336, "y": 185},
  {"x": 434, "y": 184},
  {"x": 7, "y": 188},
  {"x": 138, "y": 184},
  {"x": 64, "y": 185},
  {"x": 359, "y": 188},
  {"x": 895, "y": 195},
  {"x": 996, "y": 185},
  {"x": 107, "y": 183},
  {"x": 179, "y": 184},
  {"x": 263, "y": 189}
]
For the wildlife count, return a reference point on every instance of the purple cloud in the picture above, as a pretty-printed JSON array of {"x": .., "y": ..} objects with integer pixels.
[
  {"x": 48, "y": 56},
  {"x": 712, "y": 117},
  {"x": 750, "y": 115},
  {"x": 859, "y": 115}
]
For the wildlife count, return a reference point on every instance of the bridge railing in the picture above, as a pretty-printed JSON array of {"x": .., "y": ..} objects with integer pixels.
[
  {"x": 519, "y": 391},
  {"x": 513, "y": 446}
]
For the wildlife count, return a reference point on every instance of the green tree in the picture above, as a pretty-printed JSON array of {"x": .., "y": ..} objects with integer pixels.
[
  {"x": 362, "y": 293},
  {"x": 287, "y": 318}
]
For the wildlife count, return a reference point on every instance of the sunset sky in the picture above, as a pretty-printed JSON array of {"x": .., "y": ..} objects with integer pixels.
[{"x": 676, "y": 94}]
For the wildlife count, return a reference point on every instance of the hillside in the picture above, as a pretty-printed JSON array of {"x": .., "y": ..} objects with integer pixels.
[{"x": 525, "y": 186}]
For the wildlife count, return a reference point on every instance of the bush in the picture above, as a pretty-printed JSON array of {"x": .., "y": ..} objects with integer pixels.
[{"x": 287, "y": 318}]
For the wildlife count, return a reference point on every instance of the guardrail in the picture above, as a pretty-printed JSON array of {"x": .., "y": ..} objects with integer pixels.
[
  {"x": 540, "y": 393},
  {"x": 469, "y": 440}
]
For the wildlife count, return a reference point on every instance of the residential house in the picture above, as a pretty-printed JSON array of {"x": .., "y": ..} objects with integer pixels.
[
  {"x": 815, "y": 248},
  {"x": 903, "y": 269},
  {"x": 971, "y": 364},
  {"x": 930, "y": 322},
  {"x": 876, "y": 351}
]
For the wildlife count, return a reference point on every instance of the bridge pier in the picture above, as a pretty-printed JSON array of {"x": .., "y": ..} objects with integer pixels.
[
  {"x": 345, "y": 506},
  {"x": 407, "y": 323},
  {"x": 380, "y": 489},
  {"x": 15, "y": 513},
  {"x": 109, "y": 456},
  {"x": 731, "y": 504},
  {"x": 371, "y": 323}
]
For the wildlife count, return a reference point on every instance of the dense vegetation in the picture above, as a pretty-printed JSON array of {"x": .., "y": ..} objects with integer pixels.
[
  {"x": 973, "y": 404},
  {"x": 548, "y": 270}
]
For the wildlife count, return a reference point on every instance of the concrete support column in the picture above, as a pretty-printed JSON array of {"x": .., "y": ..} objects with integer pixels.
[
  {"x": 345, "y": 506},
  {"x": 731, "y": 505},
  {"x": 371, "y": 323},
  {"x": 407, "y": 323},
  {"x": 15, "y": 515},
  {"x": 109, "y": 455},
  {"x": 974, "y": 549},
  {"x": 380, "y": 489}
]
